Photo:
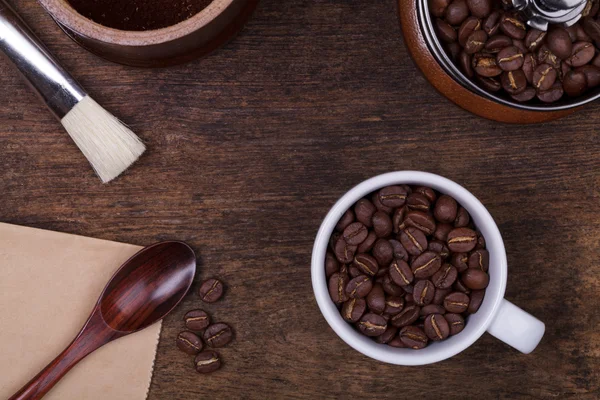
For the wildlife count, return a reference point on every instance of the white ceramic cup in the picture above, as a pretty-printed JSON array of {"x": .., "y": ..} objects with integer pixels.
[{"x": 496, "y": 315}]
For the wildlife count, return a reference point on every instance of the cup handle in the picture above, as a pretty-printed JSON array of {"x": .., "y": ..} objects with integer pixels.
[{"x": 517, "y": 328}]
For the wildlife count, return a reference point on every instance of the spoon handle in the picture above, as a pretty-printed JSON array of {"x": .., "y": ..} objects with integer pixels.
[{"x": 94, "y": 334}]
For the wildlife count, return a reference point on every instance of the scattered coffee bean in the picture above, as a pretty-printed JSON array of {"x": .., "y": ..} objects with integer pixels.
[
  {"x": 372, "y": 324},
  {"x": 208, "y": 361},
  {"x": 211, "y": 290},
  {"x": 196, "y": 320},
  {"x": 436, "y": 327},
  {"x": 436, "y": 263},
  {"x": 456, "y": 302},
  {"x": 189, "y": 343},
  {"x": 456, "y": 323},
  {"x": 413, "y": 337},
  {"x": 218, "y": 335}
]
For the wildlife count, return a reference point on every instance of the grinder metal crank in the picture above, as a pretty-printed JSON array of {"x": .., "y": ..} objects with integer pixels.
[{"x": 541, "y": 13}]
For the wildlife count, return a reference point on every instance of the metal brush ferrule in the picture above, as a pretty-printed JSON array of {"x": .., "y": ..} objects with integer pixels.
[{"x": 53, "y": 84}]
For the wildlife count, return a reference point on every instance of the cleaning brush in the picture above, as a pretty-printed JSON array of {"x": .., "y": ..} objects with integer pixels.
[{"x": 107, "y": 143}]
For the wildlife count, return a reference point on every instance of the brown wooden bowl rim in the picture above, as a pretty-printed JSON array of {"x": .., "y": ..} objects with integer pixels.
[{"x": 68, "y": 17}]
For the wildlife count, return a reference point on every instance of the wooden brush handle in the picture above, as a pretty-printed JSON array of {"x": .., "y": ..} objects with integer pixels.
[{"x": 94, "y": 335}]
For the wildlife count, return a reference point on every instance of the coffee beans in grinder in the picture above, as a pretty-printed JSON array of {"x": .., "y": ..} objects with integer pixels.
[
  {"x": 406, "y": 266},
  {"x": 492, "y": 44}
]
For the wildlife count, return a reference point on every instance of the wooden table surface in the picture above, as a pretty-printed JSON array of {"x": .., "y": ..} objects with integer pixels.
[{"x": 250, "y": 147}]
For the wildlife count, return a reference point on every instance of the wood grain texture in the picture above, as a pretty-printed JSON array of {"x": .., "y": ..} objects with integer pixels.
[{"x": 248, "y": 150}]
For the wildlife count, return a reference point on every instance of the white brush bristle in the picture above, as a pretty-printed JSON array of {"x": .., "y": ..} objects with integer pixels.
[{"x": 105, "y": 141}]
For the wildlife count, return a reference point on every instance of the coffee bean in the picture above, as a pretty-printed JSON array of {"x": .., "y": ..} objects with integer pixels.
[
  {"x": 407, "y": 316},
  {"x": 445, "y": 277},
  {"x": 408, "y": 297},
  {"x": 592, "y": 75},
  {"x": 372, "y": 324},
  {"x": 413, "y": 337},
  {"x": 331, "y": 264},
  {"x": 208, "y": 361},
  {"x": 397, "y": 342},
  {"x": 462, "y": 218},
  {"x": 423, "y": 292},
  {"x": 346, "y": 220},
  {"x": 366, "y": 264},
  {"x": 436, "y": 327},
  {"x": 354, "y": 272},
  {"x": 399, "y": 251},
  {"x": 359, "y": 287},
  {"x": 466, "y": 29},
  {"x": 445, "y": 209},
  {"x": 355, "y": 233},
  {"x": 364, "y": 210},
  {"x": 393, "y": 305},
  {"x": 514, "y": 82},
  {"x": 476, "y": 300},
  {"x": 390, "y": 333},
  {"x": 440, "y": 295},
  {"x": 401, "y": 273},
  {"x": 456, "y": 12},
  {"x": 480, "y": 8},
  {"x": 491, "y": 25},
  {"x": 432, "y": 309},
  {"x": 496, "y": 43},
  {"x": 427, "y": 192},
  {"x": 398, "y": 219},
  {"x": 189, "y": 343},
  {"x": 460, "y": 261},
  {"x": 526, "y": 95},
  {"x": 343, "y": 251},
  {"x": 420, "y": 220},
  {"x": 513, "y": 26},
  {"x": 426, "y": 265},
  {"x": 376, "y": 299},
  {"x": 551, "y": 95},
  {"x": 379, "y": 206},
  {"x": 476, "y": 42},
  {"x": 480, "y": 241},
  {"x": 534, "y": 39},
  {"x": 368, "y": 243},
  {"x": 333, "y": 239},
  {"x": 393, "y": 196},
  {"x": 574, "y": 83},
  {"x": 475, "y": 279},
  {"x": 529, "y": 65},
  {"x": 353, "y": 309},
  {"x": 489, "y": 84},
  {"x": 441, "y": 231},
  {"x": 479, "y": 259},
  {"x": 383, "y": 252},
  {"x": 390, "y": 287},
  {"x": 510, "y": 59},
  {"x": 559, "y": 42},
  {"x": 465, "y": 64},
  {"x": 439, "y": 247},
  {"x": 582, "y": 53},
  {"x": 545, "y": 56},
  {"x": 462, "y": 240},
  {"x": 456, "y": 323},
  {"x": 444, "y": 31},
  {"x": 582, "y": 36},
  {"x": 218, "y": 335},
  {"x": 211, "y": 290},
  {"x": 438, "y": 7},
  {"x": 592, "y": 28},
  {"x": 382, "y": 224},
  {"x": 519, "y": 44},
  {"x": 485, "y": 65},
  {"x": 418, "y": 202},
  {"x": 459, "y": 286},
  {"x": 196, "y": 320},
  {"x": 337, "y": 287},
  {"x": 453, "y": 50},
  {"x": 413, "y": 240},
  {"x": 544, "y": 77},
  {"x": 456, "y": 302}
]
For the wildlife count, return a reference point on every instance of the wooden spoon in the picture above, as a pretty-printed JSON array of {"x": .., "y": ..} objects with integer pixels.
[{"x": 144, "y": 290}]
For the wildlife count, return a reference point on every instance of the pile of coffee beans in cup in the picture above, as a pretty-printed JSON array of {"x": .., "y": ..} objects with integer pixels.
[
  {"x": 406, "y": 266},
  {"x": 491, "y": 43},
  {"x": 201, "y": 330}
]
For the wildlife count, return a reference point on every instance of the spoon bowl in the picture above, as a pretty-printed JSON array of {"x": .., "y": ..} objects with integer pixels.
[{"x": 142, "y": 291}]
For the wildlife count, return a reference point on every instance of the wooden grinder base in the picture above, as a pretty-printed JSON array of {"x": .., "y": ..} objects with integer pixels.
[{"x": 451, "y": 89}]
